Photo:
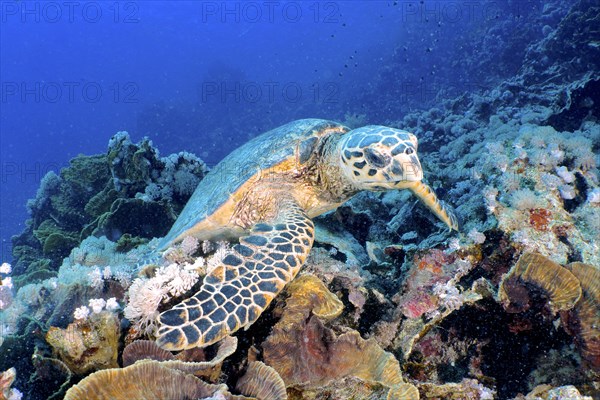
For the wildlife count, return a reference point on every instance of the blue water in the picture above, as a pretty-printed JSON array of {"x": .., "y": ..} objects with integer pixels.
[{"x": 206, "y": 76}]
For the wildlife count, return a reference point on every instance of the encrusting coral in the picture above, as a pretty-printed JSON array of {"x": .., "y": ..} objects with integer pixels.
[
  {"x": 87, "y": 344},
  {"x": 6, "y": 380},
  {"x": 547, "y": 392},
  {"x": 466, "y": 389}
]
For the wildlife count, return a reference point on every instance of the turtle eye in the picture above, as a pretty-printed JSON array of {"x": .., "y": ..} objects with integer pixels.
[
  {"x": 375, "y": 158},
  {"x": 409, "y": 151}
]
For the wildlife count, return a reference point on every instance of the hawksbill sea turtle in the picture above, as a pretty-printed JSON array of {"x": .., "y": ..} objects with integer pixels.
[{"x": 265, "y": 193}]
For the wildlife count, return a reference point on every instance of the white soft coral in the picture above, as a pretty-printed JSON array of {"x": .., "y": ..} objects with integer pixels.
[
  {"x": 177, "y": 280},
  {"x": 145, "y": 295},
  {"x": 5, "y": 268},
  {"x": 81, "y": 313},
  {"x": 96, "y": 305}
]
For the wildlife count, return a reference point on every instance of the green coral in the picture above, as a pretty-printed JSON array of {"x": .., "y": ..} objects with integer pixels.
[
  {"x": 87, "y": 175},
  {"x": 59, "y": 244},
  {"x": 101, "y": 202},
  {"x": 128, "y": 190},
  {"x": 56, "y": 243},
  {"x": 132, "y": 165},
  {"x": 38, "y": 274},
  {"x": 128, "y": 242},
  {"x": 137, "y": 217}
]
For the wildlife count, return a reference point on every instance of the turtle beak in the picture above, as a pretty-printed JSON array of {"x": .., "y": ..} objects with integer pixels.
[{"x": 428, "y": 197}]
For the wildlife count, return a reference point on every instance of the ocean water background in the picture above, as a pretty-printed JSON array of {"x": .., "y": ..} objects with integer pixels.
[{"x": 204, "y": 76}]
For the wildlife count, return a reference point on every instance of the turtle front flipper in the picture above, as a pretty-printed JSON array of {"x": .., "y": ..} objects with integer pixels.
[
  {"x": 236, "y": 292},
  {"x": 431, "y": 201}
]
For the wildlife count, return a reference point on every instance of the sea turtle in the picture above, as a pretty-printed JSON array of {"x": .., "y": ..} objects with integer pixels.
[{"x": 265, "y": 193}]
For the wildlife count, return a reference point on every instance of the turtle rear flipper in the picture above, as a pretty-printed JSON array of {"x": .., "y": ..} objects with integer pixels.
[{"x": 235, "y": 293}]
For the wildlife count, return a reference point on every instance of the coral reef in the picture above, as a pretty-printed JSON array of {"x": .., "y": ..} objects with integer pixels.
[
  {"x": 395, "y": 284},
  {"x": 105, "y": 195},
  {"x": 388, "y": 305}
]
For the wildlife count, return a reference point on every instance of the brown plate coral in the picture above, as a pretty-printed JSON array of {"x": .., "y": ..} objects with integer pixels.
[
  {"x": 191, "y": 361},
  {"x": 584, "y": 319},
  {"x": 558, "y": 284},
  {"x": 262, "y": 382},
  {"x": 146, "y": 380}
]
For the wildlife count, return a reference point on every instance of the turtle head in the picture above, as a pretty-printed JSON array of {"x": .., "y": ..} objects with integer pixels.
[{"x": 380, "y": 158}]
